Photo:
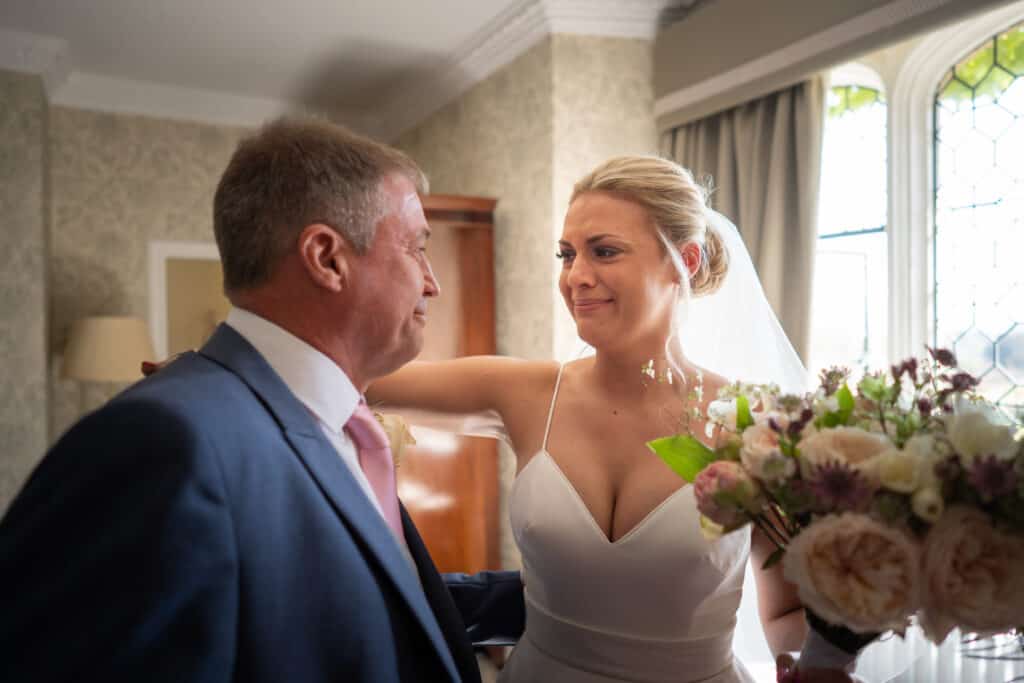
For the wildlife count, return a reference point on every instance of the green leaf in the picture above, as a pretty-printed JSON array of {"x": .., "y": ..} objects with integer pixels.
[
  {"x": 846, "y": 404},
  {"x": 874, "y": 388},
  {"x": 743, "y": 417},
  {"x": 774, "y": 558},
  {"x": 684, "y": 454}
]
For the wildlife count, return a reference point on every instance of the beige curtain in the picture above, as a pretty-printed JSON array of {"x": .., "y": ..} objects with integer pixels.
[{"x": 764, "y": 161}]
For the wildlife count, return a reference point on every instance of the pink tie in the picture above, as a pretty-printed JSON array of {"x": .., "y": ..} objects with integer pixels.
[{"x": 376, "y": 461}]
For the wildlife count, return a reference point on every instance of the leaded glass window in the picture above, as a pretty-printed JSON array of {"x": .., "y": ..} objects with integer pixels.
[
  {"x": 848, "y": 324},
  {"x": 978, "y": 238}
]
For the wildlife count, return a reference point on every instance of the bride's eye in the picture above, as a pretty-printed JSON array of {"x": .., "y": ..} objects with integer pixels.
[
  {"x": 564, "y": 256},
  {"x": 605, "y": 252}
]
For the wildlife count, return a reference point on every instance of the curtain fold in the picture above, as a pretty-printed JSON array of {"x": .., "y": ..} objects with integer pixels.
[{"x": 763, "y": 159}]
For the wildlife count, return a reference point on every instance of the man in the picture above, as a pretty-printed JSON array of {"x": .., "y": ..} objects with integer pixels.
[{"x": 233, "y": 517}]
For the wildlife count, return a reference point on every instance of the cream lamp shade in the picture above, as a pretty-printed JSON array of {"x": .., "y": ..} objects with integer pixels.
[{"x": 107, "y": 349}]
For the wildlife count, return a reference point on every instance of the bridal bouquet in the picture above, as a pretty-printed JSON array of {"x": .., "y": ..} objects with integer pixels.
[{"x": 900, "y": 498}]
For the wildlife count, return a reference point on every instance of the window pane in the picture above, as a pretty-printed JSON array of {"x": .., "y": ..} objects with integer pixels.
[
  {"x": 849, "y": 306},
  {"x": 853, "y": 174},
  {"x": 849, "y": 302},
  {"x": 979, "y": 217}
]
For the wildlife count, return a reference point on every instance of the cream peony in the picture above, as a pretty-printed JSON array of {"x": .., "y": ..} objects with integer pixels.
[
  {"x": 856, "y": 572},
  {"x": 899, "y": 471},
  {"x": 761, "y": 456},
  {"x": 974, "y": 433},
  {"x": 973, "y": 574},
  {"x": 854, "y": 447},
  {"x": 399, "y": 436}
]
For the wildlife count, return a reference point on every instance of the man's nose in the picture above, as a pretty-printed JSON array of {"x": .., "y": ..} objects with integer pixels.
[{"x": 431, "y": 287}]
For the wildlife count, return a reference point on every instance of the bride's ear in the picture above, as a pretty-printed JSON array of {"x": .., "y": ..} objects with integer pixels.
[{"x": 691, "y": 255}]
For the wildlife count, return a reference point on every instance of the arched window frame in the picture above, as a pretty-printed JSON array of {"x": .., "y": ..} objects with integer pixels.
[{"x": 911, "y": 209}]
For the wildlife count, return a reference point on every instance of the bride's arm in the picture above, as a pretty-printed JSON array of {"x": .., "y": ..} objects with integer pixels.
[
  {"x": 478, "y": 395},
  {"x": 467, "y": 385},
  {"x": 782, "y": 615}
]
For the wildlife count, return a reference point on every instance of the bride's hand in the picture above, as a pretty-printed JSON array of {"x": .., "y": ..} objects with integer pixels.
[{"x": 786, "y": 672}]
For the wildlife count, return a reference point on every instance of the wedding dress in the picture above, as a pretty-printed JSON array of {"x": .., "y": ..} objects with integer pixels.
[{"x": 658, "y": 605}]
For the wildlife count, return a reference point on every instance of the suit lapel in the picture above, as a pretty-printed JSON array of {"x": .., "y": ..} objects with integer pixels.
[
  {"x": 230, "y": 349},
  {"x": 441, "y": 602}
]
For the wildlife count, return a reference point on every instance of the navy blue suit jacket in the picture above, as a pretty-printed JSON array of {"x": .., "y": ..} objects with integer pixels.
[{"x": 199, "y": 528}]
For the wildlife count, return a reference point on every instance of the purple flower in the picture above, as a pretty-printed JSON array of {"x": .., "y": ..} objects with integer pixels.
[
  {"x": 924, "y": 406},
  {"x": 963, "y": 381},
  {"x": 838, "y": 487},
  {"x": 943, "y": 356},
  {"x": 992, "y": 477},
  {"x": 833, "y": 378}
]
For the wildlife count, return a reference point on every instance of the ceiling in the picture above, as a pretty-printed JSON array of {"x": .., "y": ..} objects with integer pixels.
[{"x": 352, "y": 58}]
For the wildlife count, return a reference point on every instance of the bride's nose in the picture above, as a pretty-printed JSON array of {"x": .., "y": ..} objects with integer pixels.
[{"x": 581, "y": 273}]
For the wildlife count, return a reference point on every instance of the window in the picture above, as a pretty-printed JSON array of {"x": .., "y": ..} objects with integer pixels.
[
  {"x": 921, "y": 215},
  {"x": 978, "y": 242},
  {"x": 850, "y": 289}
]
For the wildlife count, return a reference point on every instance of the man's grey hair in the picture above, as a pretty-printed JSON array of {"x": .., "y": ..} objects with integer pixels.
[{"x": 291, "y": 173}]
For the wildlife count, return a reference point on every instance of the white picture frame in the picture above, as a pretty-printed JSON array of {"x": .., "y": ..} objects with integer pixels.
[{"x": 159, "y": 253}]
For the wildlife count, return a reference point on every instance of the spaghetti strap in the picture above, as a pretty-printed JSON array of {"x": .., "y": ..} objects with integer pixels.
[{"x": 551, "y": 410}]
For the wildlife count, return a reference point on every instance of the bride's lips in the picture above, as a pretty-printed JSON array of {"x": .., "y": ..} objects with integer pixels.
[{"x": 587, "y": 305}]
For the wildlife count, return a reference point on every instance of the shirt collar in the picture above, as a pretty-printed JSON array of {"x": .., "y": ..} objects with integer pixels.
[{"x": 315, "y": 379}]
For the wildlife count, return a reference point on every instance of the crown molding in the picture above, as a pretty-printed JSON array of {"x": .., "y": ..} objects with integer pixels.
[
  {"x": 507, "y": 36},
  {"x": 125, "y": 96},
  {"x": 514, "y": 31},
  {"x": 45, "y": 56},
  {"x": 613, "y": 18},
  {"x": 497, "y": 43}
]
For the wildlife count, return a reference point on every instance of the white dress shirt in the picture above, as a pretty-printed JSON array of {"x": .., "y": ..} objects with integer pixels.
[{"x": 317, "y": 382}]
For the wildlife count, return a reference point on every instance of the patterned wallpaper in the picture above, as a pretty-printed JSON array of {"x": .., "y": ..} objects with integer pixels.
[
  {"x": 23, "y": 401},
  {"x": 524, "y": 136},
  {"x": 119, "y": 182},
  {"x": 603, "y": 107}
]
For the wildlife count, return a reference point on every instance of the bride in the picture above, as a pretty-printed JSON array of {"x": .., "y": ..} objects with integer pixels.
[{"x": 620, "y": 584}]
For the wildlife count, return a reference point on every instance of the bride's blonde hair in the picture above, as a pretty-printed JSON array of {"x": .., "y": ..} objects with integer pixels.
[{"x": 677, "y": 205}]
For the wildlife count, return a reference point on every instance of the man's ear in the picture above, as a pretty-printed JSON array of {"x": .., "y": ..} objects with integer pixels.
[{"x": 326, "y": 256}]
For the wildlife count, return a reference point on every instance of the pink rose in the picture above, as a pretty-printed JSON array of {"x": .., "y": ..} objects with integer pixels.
[
  {"x": 850, "y": 446},
  {"x": 855, "y": 572},
  {"x": 726, "y": 494},
  {"x": 974, "y": 575}
]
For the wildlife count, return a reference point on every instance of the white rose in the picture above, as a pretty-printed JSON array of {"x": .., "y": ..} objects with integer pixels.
[
  {"x": 723, "y": 412},
  {"x": 899, "y": 471},
  {"x": 974, "y": 575},
  {"x": 973, "y": 433},
  {"x": 761, "y": 456},
  {"x": 856, "y": 572},
  {"x": 847, "y": 445},
  {"x": 929, "y": 452}
]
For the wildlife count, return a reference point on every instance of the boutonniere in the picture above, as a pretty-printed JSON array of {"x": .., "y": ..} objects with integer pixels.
[{"x": 399, "y": 436}]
